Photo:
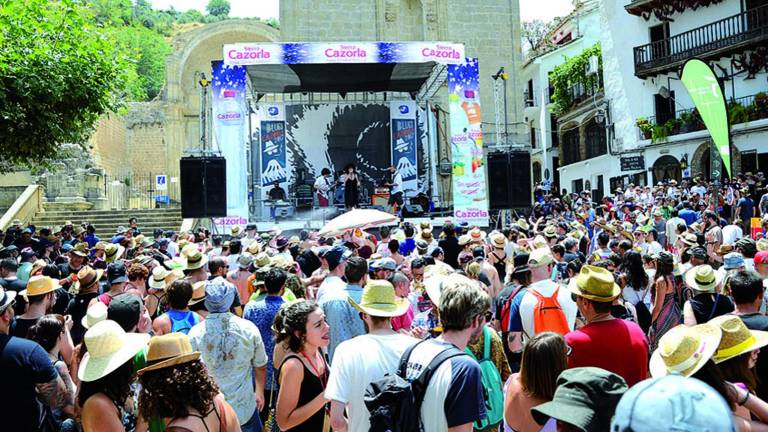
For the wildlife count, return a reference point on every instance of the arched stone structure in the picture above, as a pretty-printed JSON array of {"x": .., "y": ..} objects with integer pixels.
[{"x": 193, "y": 52}]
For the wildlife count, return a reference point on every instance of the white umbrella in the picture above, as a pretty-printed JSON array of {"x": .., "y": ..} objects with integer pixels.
[{"x": 357, "y": 218}]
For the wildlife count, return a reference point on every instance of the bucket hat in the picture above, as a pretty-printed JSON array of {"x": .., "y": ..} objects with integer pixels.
[
  {"x": 169, "y": 350},
  {"x": 39, "y": 285},
  {"x": 261, "y": 260},
  {"x": 703, "y": 278},
  {"x": 96, "y": 313},
  {"x": 379, "y": 300},
  {"x": 685, "y": 350},
  {"x": 596, "y": 284},
  {"x": 109, "y": 347},
  {"x": 244, "y": 261},
  {"x": 733, "y": 261},
  {"x": 585, "y": 397},
  {"x": 736, "y": 339}
]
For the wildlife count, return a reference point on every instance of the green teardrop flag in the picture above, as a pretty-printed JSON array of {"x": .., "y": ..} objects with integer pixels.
[{"x": 702, "y": 86}]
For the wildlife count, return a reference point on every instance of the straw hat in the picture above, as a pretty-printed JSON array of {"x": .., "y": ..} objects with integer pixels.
[
  {"x": 113, "y": 252},
  {"x": 685, "y": 350},
  {"x": 596, "y": 284},
  {"x": 379, "y": 300},
  {"x": 86, "y": 278},
  {"x": 157, "y": 281},
  {"x": 196, "y": 260},
  {"x": 523, "y": 224},
  {"x": 476, "y": 235},
  {"x": 37, "y": 267},
  {"x": 498, "y": 240},
  {"x": 688, "y": 239},
  {"x": 550, "y": 231},
  {"x": 80, "y": 249},
  {"x": 703, "y": 278},
  {"x": 198, "y": 293},
  {"x": 39, "y": 285},
  {"x": 464, "y": 239},
  {"x": 762, "y": 244},
  {"x": 261, "y": 260},
  {"x": 169, "y": 350},
  {"x": 109, "y": 347},
  {"x": 96, "y": 314},
  {"x": 540, "y": 242},
  {"x": 628, "y": 235},
  {"x": 426, "y": 234},
  {"x": 235, "y": 231},
  {"x": 724, "y": 249},
  {"x": 253, "y": 248},
  {"x": 540, "y": 257},
  {"x": 737, "y": 339}
]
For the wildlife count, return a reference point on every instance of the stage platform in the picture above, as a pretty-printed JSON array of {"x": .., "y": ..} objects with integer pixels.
[{"x": 294, "y": 225}]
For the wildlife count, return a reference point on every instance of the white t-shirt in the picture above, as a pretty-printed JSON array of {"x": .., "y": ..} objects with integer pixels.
[
  {"x": 358, "y": 362},
  {"x": 732, "y": 234},
  {"x": 546, "y": 288},
  {"x": 397, "y": 183},
  {"x": 330, "y": 283},
  {"x": 454, "y": 395},
  {"x": 232, "y": 262}
]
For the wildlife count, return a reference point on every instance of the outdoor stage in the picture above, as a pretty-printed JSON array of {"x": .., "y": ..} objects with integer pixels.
[{"x": 312, "y": 106}]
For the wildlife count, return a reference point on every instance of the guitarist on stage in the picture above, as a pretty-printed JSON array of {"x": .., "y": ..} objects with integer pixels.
[{"x": 323, "y": 185}]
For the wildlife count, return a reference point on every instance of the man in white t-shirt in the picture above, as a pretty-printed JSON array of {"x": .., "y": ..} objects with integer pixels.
[
  {"x": 396, "y": 189},
  {"x": 361, "y": 360},
  {"x": 454, "y": 398},
  {"x": 521, "y": 309},
  {"x": 337, "y": 260}
]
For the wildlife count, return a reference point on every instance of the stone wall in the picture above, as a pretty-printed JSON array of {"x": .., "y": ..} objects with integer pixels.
[
  {"x": 146, "y": 150},
  {"x": 108, "y": 144}
]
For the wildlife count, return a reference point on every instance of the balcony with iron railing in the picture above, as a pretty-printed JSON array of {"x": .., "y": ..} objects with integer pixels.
[
  {"x": 718, "y": 39},
  {"x": 740, "y": 110},
  {"x": 665, "y": 8}
]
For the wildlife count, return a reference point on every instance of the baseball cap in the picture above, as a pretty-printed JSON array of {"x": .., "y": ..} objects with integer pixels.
[
  {"x": 585, "y": 397},
  {"x": 116, "y": 273},
  {"x": 761, "y": 258},
  {"x": 125, "y": 309},
  {"x": 661, "y": 403},
  {"x": 336, "y": 256}
]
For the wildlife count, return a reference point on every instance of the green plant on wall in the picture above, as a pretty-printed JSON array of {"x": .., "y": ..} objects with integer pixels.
[{"x": 571, "y": 73}]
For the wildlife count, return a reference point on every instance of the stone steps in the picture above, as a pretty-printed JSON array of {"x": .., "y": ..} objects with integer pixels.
[{"x": 107, "y": 221}]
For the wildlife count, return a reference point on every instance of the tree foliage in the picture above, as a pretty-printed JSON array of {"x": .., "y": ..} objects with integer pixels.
[
  {"x": 58, "y": 73},
  {"x": 218, "y": 8},
  {"x": 574, "y": 73},
  {"x": 534, "y": 34}
]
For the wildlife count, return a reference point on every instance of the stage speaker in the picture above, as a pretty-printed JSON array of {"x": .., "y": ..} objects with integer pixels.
[
  {"x": 203, "y": 187},
  {"x": 413, "y": 210},
  {"x": 509, "y": 184}
]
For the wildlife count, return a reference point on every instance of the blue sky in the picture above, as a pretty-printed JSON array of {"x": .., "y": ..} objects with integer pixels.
[{"x": 531, "y": 9}]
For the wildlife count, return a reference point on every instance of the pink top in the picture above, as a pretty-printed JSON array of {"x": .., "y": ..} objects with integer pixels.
[{"x": 403, "y": 321}]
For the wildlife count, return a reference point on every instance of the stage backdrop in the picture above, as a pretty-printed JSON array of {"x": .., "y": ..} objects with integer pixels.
[
  {"x": 404, "y": 154},
  {"x": 230, "y": 132},
  {"x": 470, "y": 198}
]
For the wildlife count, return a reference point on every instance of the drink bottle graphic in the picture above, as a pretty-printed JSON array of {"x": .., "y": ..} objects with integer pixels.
[{"x": 229, "y": 135}]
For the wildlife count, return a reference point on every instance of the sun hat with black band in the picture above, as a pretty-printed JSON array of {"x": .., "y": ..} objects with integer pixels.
[
  {"x": 113, "y": 252},
  {"x": 198, "y": 293},
  {"x": 585, "y": 397},
  {"x": 157, "y": 281},
  {"x": 703, "y": 278},
  {"x": 87, "y": 278},
  {"x": 168, "y": 350},
  {"x": 7, "y": 299},
  {"x": 196, "y": 260},
  {"x": 596, "y": 284}
]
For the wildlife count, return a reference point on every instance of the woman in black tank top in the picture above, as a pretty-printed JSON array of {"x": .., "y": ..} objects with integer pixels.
[{"x": 304, "y": 371}]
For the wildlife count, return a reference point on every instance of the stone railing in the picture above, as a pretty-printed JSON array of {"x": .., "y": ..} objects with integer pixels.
[{"x": 25, "y": 207}]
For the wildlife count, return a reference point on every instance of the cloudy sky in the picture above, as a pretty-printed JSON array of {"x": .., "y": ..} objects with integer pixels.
[{"x": 531, "y": 9}]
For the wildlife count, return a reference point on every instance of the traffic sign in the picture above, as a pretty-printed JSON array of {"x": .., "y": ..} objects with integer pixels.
[{"x": 161, "y": 182}]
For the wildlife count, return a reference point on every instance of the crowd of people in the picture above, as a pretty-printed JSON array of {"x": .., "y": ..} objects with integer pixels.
[{"x": 643, "y": 312}]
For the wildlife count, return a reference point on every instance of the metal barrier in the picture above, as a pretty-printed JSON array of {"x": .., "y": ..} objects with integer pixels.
[{"x": 142, "y": 191}]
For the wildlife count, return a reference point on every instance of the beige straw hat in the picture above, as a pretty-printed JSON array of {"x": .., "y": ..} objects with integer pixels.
[
  {"x": 379, "y": 300},
  {"x": 96, "y": 314},
  {"x": 169, "y": 350},
  {"x": 685, "y": 350},
  {"x": 109, "y": 347},
  {"x": 737, "y": 339}
]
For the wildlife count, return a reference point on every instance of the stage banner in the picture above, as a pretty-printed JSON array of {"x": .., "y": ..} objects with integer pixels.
[
  {"x": 404, "y": 152},
  {"x": 273, "y": 156},
  {"x": 470, "y": 198},
  {"x": 245, "y": 54},
  {"x": 704, "y": 89},
  {"x": 230, "y": 131}
]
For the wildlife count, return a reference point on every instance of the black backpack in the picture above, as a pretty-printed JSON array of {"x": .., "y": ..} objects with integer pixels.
[{"x": 394, "y": 402}]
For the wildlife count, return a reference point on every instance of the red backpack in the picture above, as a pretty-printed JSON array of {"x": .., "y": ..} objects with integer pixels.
[{"x": 548, "y": 315}]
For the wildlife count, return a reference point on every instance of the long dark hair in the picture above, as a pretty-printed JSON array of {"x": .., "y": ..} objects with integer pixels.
[
  {"x": 170, "y": 392},
  {"x": 633, "y": 268},
  {"x": 290, "y": 323},
  {"x": 116, "y": 385},
  {"x": 711, "y": 375},
  {"x": 544, "y": 357},
  {"x": 47, "y": 330},
  {"x": 737, "y": 370}
]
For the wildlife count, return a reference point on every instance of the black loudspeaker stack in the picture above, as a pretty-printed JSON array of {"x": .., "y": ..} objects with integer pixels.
[
  {"x": 509, "y": 180},
  {"x": 203, "y": 187}
]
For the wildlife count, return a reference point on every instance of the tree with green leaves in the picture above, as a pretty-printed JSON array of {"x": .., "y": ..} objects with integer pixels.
[
  {"x": 59, "y": 72},
  {"x": 218, "y": 8}
]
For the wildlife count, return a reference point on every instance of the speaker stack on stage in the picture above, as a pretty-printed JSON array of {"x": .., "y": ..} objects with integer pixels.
[
  {"x": 203, "y": 187},
  {"x": 509, "y": 185}
]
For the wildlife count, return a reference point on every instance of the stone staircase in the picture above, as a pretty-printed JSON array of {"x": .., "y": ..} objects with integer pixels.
[{"x": 107, "y": 221}]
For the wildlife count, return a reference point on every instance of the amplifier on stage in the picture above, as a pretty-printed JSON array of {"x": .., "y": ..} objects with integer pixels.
[
  {"x": 380, "y": 199},
  {"x": 381, "y": 191}
]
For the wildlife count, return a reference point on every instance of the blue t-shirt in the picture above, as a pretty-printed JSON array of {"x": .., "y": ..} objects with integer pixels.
[
  {"x": 262, "y": 313},
  {"x": 23, "y": 364},
  {"x": 343, "y": 319},
  {"x": 747, "y": 208},
  {"x": 688, "y": 215},
  {"x": 407, "y": 247}
]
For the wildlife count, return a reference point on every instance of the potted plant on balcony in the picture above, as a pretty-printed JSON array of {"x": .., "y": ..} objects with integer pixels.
[
  {"x": 646, "y": 128},
  {"x": 688, "y": 123},
  {"x": 760, "y": 106},
  {"x": 660, "y": 132},
  {"x": 737, "y": 113}
]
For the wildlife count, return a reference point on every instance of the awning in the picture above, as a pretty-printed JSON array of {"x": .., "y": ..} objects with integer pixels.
[{"x": 339, "y": 78}]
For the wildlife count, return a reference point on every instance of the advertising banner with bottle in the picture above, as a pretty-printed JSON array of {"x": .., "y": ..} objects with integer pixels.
[
  {"x": 403, "y": 119},
  {"x": 470, "y": 194},
  {"x": 230, "y": 131}
]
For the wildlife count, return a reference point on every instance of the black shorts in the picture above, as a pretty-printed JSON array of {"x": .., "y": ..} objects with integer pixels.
[{"x": 396, "y": 198}]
